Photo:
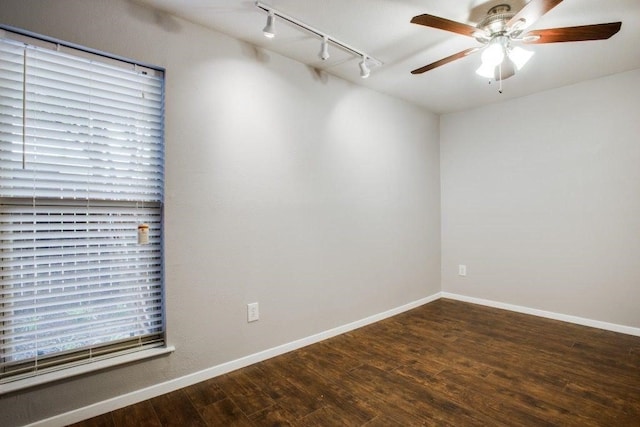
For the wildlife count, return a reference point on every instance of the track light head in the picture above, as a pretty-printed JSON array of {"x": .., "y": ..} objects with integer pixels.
[
  {"x": 324, "y": 50},
  {"x": 364, "y": 69},
  {"x": 269, "y": 30}
]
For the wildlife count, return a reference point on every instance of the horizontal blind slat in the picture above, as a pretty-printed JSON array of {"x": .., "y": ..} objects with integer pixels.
[
  {"x": 29, "y": 297},
  {"x": 92, "y": 321}
]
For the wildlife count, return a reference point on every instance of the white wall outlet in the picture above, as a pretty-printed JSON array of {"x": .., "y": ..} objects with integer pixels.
[
  {"x": 253, "y": 314},
  {"x": 462, "y": 270}
]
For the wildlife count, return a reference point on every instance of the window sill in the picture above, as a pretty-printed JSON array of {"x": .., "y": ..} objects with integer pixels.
[{"x": 20, "y": 384}]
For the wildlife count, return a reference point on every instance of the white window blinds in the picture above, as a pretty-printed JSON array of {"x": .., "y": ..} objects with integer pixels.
[{"x": 81, "y": 166}]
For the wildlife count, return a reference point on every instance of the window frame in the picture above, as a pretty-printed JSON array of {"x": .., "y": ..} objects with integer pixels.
[{"x": 125, "y": 355}]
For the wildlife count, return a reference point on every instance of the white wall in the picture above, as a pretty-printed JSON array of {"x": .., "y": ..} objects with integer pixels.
[
  {"x": 315, "y": 197},
  {"x": 541, "y": 201}
]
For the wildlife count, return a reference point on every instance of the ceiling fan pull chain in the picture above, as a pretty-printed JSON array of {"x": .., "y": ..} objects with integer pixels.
[{"x": 500, "y": 84}]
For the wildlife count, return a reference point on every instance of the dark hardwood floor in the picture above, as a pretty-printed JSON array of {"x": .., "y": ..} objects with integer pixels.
[{"x": 447, "y": 363}]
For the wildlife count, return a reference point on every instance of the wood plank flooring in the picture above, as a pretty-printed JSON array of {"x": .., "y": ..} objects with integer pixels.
[{"x": 447, "y": 363}]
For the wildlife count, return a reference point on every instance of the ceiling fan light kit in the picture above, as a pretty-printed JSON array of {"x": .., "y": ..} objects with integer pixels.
[
  {"x": 502, "y": 30},
  {"x": 365, "y": 66},
  {"x": 515, "y": 57}
]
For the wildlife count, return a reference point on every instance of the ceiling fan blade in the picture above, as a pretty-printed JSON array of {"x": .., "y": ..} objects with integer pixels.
[
  {"x": 445, "y": 60},
  {"x": 573, "y": 34},
  {"x": 532, "y": 12},
  {"x": 444, "y": 24}
]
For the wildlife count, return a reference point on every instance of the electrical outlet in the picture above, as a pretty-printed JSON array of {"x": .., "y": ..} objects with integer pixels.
[
  {"x": 462, "y": 270},
  {"x": 253, "y": 314}
]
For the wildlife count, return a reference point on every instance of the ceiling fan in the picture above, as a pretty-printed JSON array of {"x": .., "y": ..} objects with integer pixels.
[{"x": 502, "y": 31}]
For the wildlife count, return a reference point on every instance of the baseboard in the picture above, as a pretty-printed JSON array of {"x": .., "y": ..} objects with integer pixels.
[
  {"x": 547, "y": 314},
  {"x": 187, "y": 380}
]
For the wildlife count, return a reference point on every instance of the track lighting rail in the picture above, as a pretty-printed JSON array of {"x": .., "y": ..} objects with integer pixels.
[{"x": 365, "y": 65}]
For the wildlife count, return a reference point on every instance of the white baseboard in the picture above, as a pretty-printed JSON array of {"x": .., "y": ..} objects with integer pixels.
[
  {"x": 187, "y": 380},
  {"x": 629, "y": 330}
]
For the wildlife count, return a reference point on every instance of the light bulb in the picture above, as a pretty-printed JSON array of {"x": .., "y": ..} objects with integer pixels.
[{"x": 493, "y": 54}]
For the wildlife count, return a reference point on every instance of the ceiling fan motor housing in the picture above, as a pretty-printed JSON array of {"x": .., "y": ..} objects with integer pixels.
[{"x": 495, "y": 22}]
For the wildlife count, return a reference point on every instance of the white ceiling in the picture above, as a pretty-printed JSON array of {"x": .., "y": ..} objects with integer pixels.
[{"x": 382, "y": 29}]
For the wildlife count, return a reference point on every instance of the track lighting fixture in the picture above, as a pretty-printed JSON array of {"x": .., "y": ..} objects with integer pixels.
[
  {"x": 269, "y": 31},
  {"x": 364, "y": 69},
  {"x": 324, "y": 50}
]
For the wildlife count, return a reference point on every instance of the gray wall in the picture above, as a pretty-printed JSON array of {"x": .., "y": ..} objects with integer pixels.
[
  {"x": 541, "y": 200},
  {"x": 315, "y": 197}
]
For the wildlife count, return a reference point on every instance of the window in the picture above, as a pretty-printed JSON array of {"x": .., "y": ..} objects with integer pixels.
[{"x": 81, "y": 168}]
